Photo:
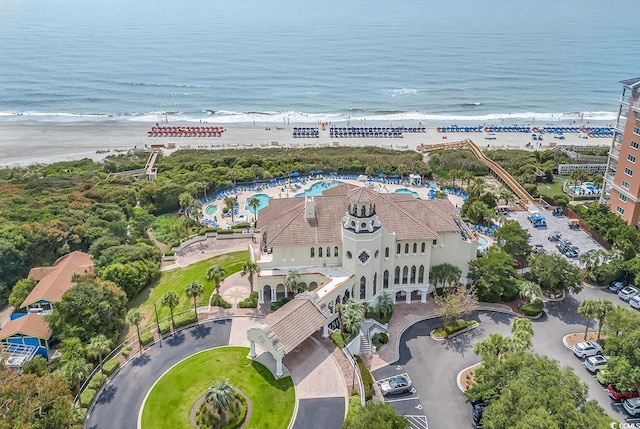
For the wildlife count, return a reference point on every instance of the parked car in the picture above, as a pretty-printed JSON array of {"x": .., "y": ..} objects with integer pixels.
[
  {"x": 538, "y": 248},
  {"x": 586, "y": 349},
  {"x": 627, "y": 293},
  {"x": 478, "y": 410},
  {"x": 616, "y": 286},
  {"x": 602, "y": 376},
  {"x": 594, "y": 363},
  {"x": 635, "y": 302},
  {"x": 395, "y": 385},
  {"x": 621, "y": 395},
  {"x": 632, "y": 406},
  {"x": 554, "y": 236},
  {"x": 570, "y": 252}
]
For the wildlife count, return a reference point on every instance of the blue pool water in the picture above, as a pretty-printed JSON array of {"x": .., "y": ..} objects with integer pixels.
[
  {"x": 483, "y": 244},
  {"x": 264, "y": 202},
  {"x": 317, "y": 188},
  {"x": 406, "y": 191},
  {"x": 211, "y": 210}
]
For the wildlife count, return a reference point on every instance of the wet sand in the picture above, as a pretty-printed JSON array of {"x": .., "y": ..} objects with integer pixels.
[{"x": 24, "y": 142}]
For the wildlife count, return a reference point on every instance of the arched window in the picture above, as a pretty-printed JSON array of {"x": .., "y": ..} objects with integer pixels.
[
  {"x": 328, "y": 252},
  {"x": 415, "y": 247},
  {"x": 386, "y": 252},
  {"x": 421, "y": 274},
  {"x": 375, "y": 284},
  {"x": 385, "y": 280},
  {"x": 362, "y": 212},
  {"x": 405, "y": 275},
  {"x": 398, "y": 249},
  {"x": 335, "y": 252},
  {"x": 396, "y": 278},
  {"x": 331, "y": 307},
  {"x": 375, "y": 255},
  {"x": 406, "y": 248},
  {"x": 413, "y": 274},
  {"x": 423, "y": 247},
  {"x": 363, "y": 287},
  {"x": 313, "y": 252},
  {"x": 319, "y": 252}
]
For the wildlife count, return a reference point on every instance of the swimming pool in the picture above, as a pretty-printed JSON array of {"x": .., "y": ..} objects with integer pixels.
[
  {"x": 406, "y": 191},
  {"x": 262, "y": 198},
  {"x": 317, "y": 188},
  {"x": 483, "y": 244},
  {"x": 210, "y": 210}
]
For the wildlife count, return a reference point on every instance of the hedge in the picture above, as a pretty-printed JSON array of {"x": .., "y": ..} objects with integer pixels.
[
  {"x": 367, "y": 379},
  {"x": 110, "y": 366},
  {"x": 379, "y": 338},
  {"x": 276, "y": 305},
  {"x": 533, "y": 309},
  {"x": 86, "y": 397},
  {"x": 165, "y": 326},
  {"x": 97, "y": 381},
  {"x": 241, "y": 225},
  {"x": 184, "y": 319},
  {"x": 221, "y": 231},
  {"x": 126, "y": 350},
  {"x": 169, "y": 253},
  {"x": 338, "y": 339},
  {"x": 250, "y": 302},
  {"x": 453, "y": 327},
  {"x": 218, "y": 301},
  {"x": 146, "y": 337}
]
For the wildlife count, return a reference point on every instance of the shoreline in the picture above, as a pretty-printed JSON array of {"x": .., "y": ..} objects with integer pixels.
[{"x": 33, "y": 142}]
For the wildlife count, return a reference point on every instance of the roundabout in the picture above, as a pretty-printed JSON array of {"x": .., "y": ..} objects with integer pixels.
[{"x": 171, "y": 399}]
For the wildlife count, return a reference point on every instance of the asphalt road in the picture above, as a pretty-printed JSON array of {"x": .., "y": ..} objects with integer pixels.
[
  {"x": 434, "y": 365},
  {"x": 119, "y": 403}
]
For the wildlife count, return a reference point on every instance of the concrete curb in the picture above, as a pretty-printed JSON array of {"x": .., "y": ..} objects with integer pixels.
[
  {"x": 455, "y": 334},
  {"x": 459, "y": 376},
  {"x": 564, "y": 339}
]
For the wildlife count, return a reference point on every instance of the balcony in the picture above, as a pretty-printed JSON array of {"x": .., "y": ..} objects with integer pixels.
[
  {"x": 614, "y": 153},
  {"x": 608, "y": 178}
]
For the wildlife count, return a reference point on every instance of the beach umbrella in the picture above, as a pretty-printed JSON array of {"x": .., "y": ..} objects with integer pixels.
[
  {"x": 312, "y": 171},
  {"x": 382, "y": 175},
  {"x": 395, "y": 176},
  {"x": 258, "y": 181},
  {"x": 294, "y": 174},
  {"x": 318, "y": 171}
]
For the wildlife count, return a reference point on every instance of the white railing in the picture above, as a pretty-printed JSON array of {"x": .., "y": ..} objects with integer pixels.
[{"x": 356, "y": 374}]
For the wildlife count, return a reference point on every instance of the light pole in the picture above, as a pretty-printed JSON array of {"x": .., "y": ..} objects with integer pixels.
[{"x": 155, "y": 307}]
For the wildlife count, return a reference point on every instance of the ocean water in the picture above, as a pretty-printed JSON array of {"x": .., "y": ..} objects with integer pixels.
[{"x": 243, "y": 61}]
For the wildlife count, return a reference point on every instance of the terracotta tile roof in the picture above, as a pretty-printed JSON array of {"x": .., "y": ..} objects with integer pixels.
[
  {"x": 31, "y": 325},
  {"x": 57, "y": 279},
  {"x": 296, "y": 321},
  {"x": 407, "y": 217}
]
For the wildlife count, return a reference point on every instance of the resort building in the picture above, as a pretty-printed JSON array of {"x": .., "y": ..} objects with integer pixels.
[
  {"x": 54, "y": 281},
  {"x": 28, "y": 333},
  {"x": 622, "y": 178},
  {"x": 350, "y": 242}
]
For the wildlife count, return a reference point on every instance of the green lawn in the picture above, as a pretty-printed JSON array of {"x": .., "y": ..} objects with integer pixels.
[
  {"x": 171, "y": 399},
  {"x": 552, "y": 189},
  {"x": 176, "y": 280}
]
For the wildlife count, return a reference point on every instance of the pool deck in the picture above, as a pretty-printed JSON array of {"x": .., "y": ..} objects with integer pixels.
[{"x": 289, "y": 191}]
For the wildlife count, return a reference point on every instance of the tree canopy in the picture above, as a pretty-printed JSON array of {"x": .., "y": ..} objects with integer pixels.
[
  {"x": 494, "y": 274},
  {"x": 554, "y": 271}
]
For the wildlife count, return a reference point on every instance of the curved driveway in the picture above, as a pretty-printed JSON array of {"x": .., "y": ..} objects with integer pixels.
[{"x": 434, "y": 365}]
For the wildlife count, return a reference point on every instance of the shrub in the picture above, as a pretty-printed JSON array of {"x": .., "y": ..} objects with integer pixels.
[
  {"x": 453, "y": 327},
  {"x": 533, "y": 309},
  {"x": 510, "y": 294},
  {"x": 184, "y": 319},
  {"x": 379, "y": 338},
  {"x": 165, "y": 326},
  {"x": 367, "y": 379},
  {"x": 276, "y": 305},
  {"x": 146, "y": 337},
  {"x": 222, "y": 231},
  {"x": 241, "y": 225},
  {"x": 488, "y": 296},
  {"x": 249, "y": 302},
  {"x": 354, "y": 408},
  {"x": 97, "y": 381},
  {"x": 338, "y": 339},
  {"x": 126, "y": 350},
  {"x": 218, "y": 301},
  {"x": 110, "y": 366},
  {"x": 86, "y": 397}
]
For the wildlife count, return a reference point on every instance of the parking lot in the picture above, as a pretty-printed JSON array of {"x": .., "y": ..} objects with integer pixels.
[
  {"x": 407, "y": 404},
  {"x": 577, "y": 237}
]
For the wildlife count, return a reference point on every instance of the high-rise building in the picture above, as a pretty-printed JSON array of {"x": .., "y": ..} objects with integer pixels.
[{"x": 622, "y": 178}]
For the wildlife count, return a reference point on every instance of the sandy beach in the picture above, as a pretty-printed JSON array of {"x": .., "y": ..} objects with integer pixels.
[{"x": 30, "y": 142}]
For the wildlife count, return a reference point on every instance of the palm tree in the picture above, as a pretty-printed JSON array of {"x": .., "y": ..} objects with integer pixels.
[
  {"x": 436, "y": 274},
  {"x": 185, "y": 199},
  {"x": 588, "y": 309},
  {"x": 352, "y": 314},
  {"x": 494, "y": 345},
  {"x": 291, "y": 281},
  {"x": 505, "y": 195},
  {"x": 219, "y": 395},
  {"x": 216, "y": 273},
  {"x": 253, "y": 204},
  {"x": 75, "y": 372},
  {"x": 530, "y": 291},
  {"x": 385, "y": 304},
  {"x": 249, "y": 269},
  {"x": 98, "y": 346},
  {"x": 522, "y": 334},
  {"x": 229, "y": 203},
  {"x": 476, "y": 188},
  {"x": 603, "y": 308},
  {"x": 194, "y": 290},
  {"x": 450, "y": 274},
  {"x": 171, "y": 299},
  {"x": 134, "y": 317},
  {"x": 578, "y": 176},
  {"x": 590, "y": 259}
]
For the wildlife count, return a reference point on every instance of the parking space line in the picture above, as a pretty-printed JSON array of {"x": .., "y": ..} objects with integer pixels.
[
  {"x": 417, "y": 422},
  {"x": 402, "y": 399}
]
